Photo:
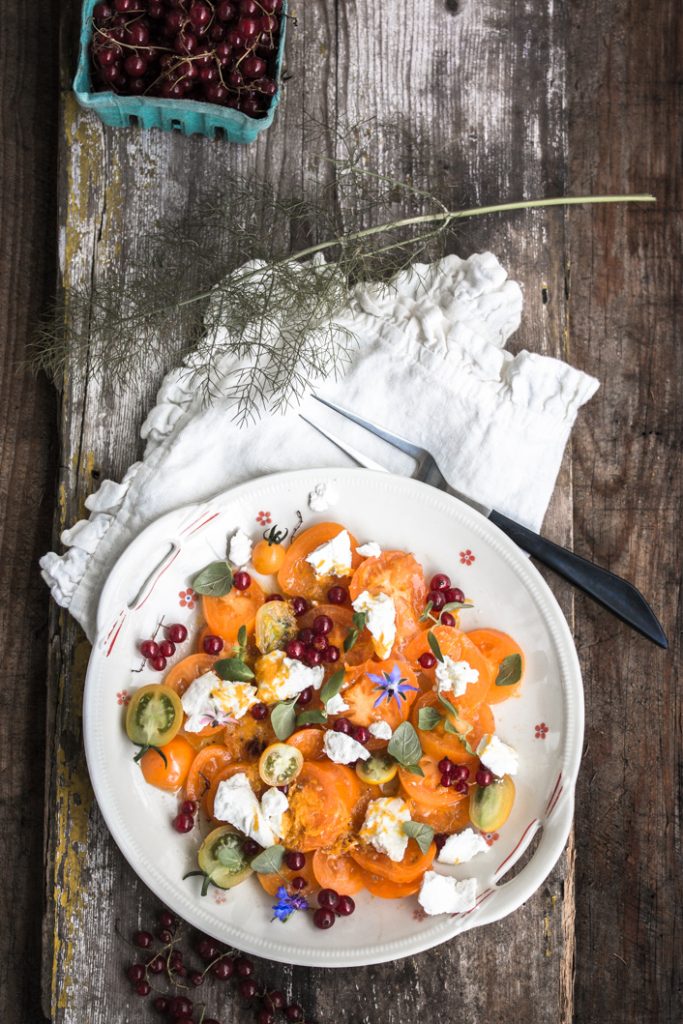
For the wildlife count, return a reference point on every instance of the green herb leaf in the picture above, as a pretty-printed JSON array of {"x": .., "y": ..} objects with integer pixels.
[
  {"x": 510, "y": 671},
  {"x": 414, "y": 769},
  {"x": 428, "y": 719},
  {"x": 359, "y": 619},
  {"x": 427, "y": 613},
  {"x": 234, "y": 670},
  {"x": 269, "y": 861},
  {"x": 449, "y": 727},
  {"x": 332, "y": 686},
  {"x": 405, "y": 746},
  {"x": 447, "y": 704},
  {"x": 314, "y": 717},
  {"x": 455, "y": 606},
  {"x": 215, "y": 580},
  {"x": 422, "y": 834},
  {"x": 242, "y": 637},
  {"x": 434, "y": 644},
  {"x": 283, "y": 718},
  {"x": 230, "y": 857}
]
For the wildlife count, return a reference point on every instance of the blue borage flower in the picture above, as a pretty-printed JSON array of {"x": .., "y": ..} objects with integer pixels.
[
  {"x": 392, "y": 684},
  {"x": 287, "y": 904}
]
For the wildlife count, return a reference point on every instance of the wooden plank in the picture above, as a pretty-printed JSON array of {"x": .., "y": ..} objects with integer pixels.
[
  {"x": 625, "y": 306},
  {"x": 27, "y": 480},
  {"x": 471, "y": 107}
]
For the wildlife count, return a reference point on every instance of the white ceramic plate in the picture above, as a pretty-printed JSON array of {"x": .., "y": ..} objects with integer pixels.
[{"x": 545, "y": 724}]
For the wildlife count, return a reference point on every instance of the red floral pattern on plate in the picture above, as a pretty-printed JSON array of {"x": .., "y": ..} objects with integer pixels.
[
  {"x": 541, "y": 731},
  {"x": 466, "y": 557},
  {"x": 187, "y": 598},
  {"x": 491, "y": 838},
  {"x": 123, "y": 698},
  {"x": 264, "y": 518},
  {"x": 419, "y": 914}
]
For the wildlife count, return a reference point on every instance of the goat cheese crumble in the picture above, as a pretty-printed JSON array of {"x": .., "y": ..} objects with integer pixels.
[
  {"x": 333, "y": 558},
  {"x": 454, "y": 676},
  {"x": 462, "y": 847},
  {"x": 383, "y": 826},
  {"x": 441, "y": 894},
  {"x": 497, "y": 756},
  {"x": 380, "y": 612}
]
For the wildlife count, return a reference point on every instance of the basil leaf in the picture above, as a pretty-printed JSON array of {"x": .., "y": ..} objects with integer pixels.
[
  {"x": 242, "y": 637},
  {"x": 422, "y": 834},
  {"x": 332, "y": 686},
  {"x": 230, "y": 858},
  {"x": 405, "y": 746},
  {"x": 449, "y": 727},
  {"x": 426, "y": 614},
  {"x": 233, "y": 669},
  {"x": 283, "y": 719},
  {"x": 428, "y": 719},
  {"x": 270, "y": 861},
  {"x": 353, "y": 634},
  {"x": 215, "y": 580},
  {"x": 434, "y": 644},
  {"x": 414, "y": 769},
  {"x": 313, "y": 717},
  {"x": 510, "y": 670},
  {"x": 447, "y": 704}
]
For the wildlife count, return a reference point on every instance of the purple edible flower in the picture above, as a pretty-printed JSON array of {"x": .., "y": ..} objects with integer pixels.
[
  {"x": 392, "y": 684},
  {"x": 287, "y": 904}
]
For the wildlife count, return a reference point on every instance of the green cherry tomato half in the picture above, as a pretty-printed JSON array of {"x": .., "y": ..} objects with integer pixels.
[
  {"x": 280, "y": 764},
  {"x": 154, "y": 715},
  {"x": 222, "y": 859}
]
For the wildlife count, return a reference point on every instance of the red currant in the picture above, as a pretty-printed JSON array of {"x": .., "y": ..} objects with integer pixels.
[
  {"x": 188, "y": 807},
  {"x": 346, "y": 906},
  {"x": 298, "y": 883},
  {"x": 274, "y": 1000},
  {"x": 484, "y": 777},
  {"x": 306, "y": 636},
  {"x": 158, "y": 663},
  {"x": 177, "y": 633},
  {"x": 427, "y": 660},
  {"x": 295, "y": 649},
  {"x": 143, "y": 988},
  {"x": 259, "y": 711},
  {"x": 183, "y": 823},
  {"x": 343, "y": 725},
  {"x": 361, "y": 734},
  {"x": 312, "y": 657},
  {"x": 248, "y": 988},
  {"x": 337, "y": 595},
  {"x": 167, "y": 648},
  {"x": 241, "y": 580},
  {"x": 454, "y": 594},
  {"x": 274, "y": 597},
  {"x": 299, "y": 606},
  {"x": 136, "y": 973},
  {"x": 322, "y": 918},
  {"x": 440, "y": 582},
  {"x": 331, "y": 654},
  {"x": 295, "y": 861},
  {"x": 447, "y": 619},
  {"x": 294, "y": 1012},
  {"x": 149, "y": 649},
  {"x": 244, "y": 966},
  {"x": 223, "y": 970},
  {"x": 322, "y": 625},
  {"x": 306, "y": 696},
  {"x": 212, "y": 644},
  {"x": 436, "y": 599}
]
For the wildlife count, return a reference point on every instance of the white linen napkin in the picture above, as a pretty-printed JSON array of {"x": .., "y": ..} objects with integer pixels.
[{"x": 430, "y": 365}]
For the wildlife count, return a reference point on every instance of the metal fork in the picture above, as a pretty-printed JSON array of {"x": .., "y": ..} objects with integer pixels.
[{"x": 616, "y": 594}]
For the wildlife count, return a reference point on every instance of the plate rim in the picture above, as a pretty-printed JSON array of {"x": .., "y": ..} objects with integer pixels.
[{"x": 553, "y": 838}]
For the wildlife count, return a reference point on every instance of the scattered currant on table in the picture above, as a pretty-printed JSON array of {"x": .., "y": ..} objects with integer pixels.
[{"x": 223, "y": 53}]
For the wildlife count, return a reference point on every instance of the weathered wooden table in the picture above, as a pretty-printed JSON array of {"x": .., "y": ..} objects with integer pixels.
[{"x": 510, "y": 100}]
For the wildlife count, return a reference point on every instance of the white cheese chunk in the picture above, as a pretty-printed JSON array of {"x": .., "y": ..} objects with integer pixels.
[
  {"x": 441, "y": 894},
  {"x": 454, "y": 676},
  {"x": 380, "y": 730},
  {"x": 212, "y": 699},
  {"x": 380, "y": 612},
  {"x": 323, "y": 496},
  {"x": 275, "y": 805},
  {"x": 333, "y": 558},
  {"x": 281, "y": 678},
  {"x": 343, "y": 749},
  {"x": 497, "y": 756},
  {"x": 336, "y": 705},
  {"x": 462, "y": 847},
  {"x": 383, "y": 826},
  {"x": 369, "y": 550},
  {"x": 237, "y": 804},
  {"x": 239, "y": 552}
]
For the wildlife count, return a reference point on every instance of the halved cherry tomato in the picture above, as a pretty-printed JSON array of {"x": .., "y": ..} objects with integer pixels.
[
  {"x": 205, "y": 765},
  {"x": 275, "y": 625},
  {"x": 225, "y": 615},
  {"x": 187, "y": 670},
  {"x": 310, "y": 742},
  {"x": 342, "y": 619},
  {"x": 426, "y": 789},
  {"x": 337, "y": 871},
  {"x": 154, "y": 715},
  {"x": 297, "y": 577},
  {"x": 172, "y": 772},
  {"x": 496, "y": 646},
  {"x": 400, "y": 575},
  {"x": 248, "y": 768},
  {"x": 386, "y": 890},
  {"x": 362, "y": 693},
  {"x": 279, "y": 764},
  {"x": 412, "y": 866},
  {"x": 319, "y": 803},
  {"x": 490, "y": 806},
  {"x": 272, "y": 881},
  {"x": 459, "y": 647},
  {"x": 438, "y": 743}
]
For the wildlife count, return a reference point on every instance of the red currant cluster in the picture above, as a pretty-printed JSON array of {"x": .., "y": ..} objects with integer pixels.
[
  {"x": 216, "y": 51},
  {"x": 168, "y": 963},
  {"x": 331, "y": 906},
  {"x": 157, "y": 654},
  {"x": 184, "y": 819},
  {"x": 312, "y": 646},
  {"x": 356, "y": 732},
  {"x": 457, "y": 775},
  {"x": 441, "y": 593}
]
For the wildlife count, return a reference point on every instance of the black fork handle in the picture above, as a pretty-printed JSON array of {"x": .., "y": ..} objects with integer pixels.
[{"x": 617, "y": 595}]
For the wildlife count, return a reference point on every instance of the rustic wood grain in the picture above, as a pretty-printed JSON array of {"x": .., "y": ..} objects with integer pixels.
[
  {"x": 626, "y": 108},
  {"x": 478, "y": 92},
  {"x": 27, "y": 471}
]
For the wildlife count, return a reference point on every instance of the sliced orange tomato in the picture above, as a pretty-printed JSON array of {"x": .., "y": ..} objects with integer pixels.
[
  {"x": 438, "y": 743},
  {"x": 496, "y": 646},
  {"x": 249, "y": 768},
  {"x": 187, "y": 670},
  {"x": 412, "y": 866},
  {"x": 426, "y": 789},
  {"x": 386, "y": 890},
  {"x": 319, "y": 803},
  {"x": 226, "y": 615},
  {"x": 400, "y": 575},
  {"x": 459, "y": 647},
  {"x": 362, "y": 693},
  {"x": 247, "y": 739},
  {"x": 310, "y": 742},
  {"x": 342, "y": 617},
  {"x": 170, "y": 771},
  {"x": 296, "y": 576},
  {"x": 337, "y": 871},
  {"x": 441, "y": 819},
  {"x": 272, "y": 881},
  {"x": 205, "y": 765}
]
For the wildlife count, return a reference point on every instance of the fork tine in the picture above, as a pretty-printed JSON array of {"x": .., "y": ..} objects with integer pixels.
[
  {"x": 362, "y": 460},
  {"x": 393, "y": 439}
]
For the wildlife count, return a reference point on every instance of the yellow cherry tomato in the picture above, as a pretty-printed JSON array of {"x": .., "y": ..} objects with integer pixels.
[
  {"x": 167, "y": 767},
  {"x": 378, "y": 770},
  {"x": 269, "y": 554}
]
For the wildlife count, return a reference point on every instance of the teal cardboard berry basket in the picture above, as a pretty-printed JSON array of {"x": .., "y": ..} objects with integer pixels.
[{"x": 190, "y": 117}]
